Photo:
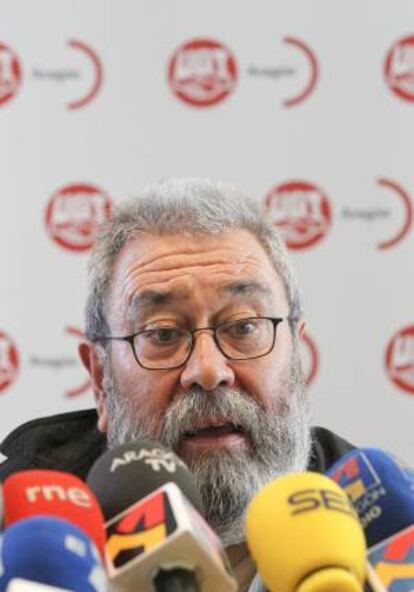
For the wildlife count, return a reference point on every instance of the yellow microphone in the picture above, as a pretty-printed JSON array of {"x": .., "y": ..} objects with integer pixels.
[{"x": 304, "y": 536}]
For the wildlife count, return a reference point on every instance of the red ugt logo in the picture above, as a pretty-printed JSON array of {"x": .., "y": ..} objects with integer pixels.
[
  {"x": 202, "y": 72},
  {"x": 74, "y": 215},
  {"x": 302, "y": 212},
  {"x": 399, "y": 68},
  {"x": 10, "y": 74},
  {"x": 399, "y": 359},
  {"x": 9, "y": 361}
]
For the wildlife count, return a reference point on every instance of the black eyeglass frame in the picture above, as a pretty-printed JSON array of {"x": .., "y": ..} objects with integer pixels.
[{"x": 131, "y": 338}]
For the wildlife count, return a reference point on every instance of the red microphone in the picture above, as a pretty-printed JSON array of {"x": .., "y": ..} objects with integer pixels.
[{"x": 54, "y": 493}]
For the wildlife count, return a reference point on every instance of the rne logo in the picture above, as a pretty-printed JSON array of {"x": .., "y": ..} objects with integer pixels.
[
  {"x": 301, "y": 211},
  {"x": 202, "y": 72},
  {"x": 74, "y": 214},
  {"x": 53, "y": 493}
]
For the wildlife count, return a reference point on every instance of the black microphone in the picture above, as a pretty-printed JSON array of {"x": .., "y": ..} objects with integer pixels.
[{"x": 157, "y": 538}]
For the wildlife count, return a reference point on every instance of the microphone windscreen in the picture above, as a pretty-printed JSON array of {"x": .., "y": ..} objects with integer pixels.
[
  {"x": 304, "y": 536},
  {"x": 55, "y": 493},
  {"x": 128, "y": 473},
  {"x": 51, "y": 551},
  {"x": 381, "y": 488}
]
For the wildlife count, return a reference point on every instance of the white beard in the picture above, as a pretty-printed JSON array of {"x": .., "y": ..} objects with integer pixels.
[{"x": 280, "y": 442}]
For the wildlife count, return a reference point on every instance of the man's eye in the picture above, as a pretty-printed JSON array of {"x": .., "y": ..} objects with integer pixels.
[
  {"x": 164, "y": 335},
  {"x": 241, "y": 328}
]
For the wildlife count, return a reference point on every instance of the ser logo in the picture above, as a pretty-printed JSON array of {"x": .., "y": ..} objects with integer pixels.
[
  {"x": 141, "y": 528},
  {"x": 309, "y": 500},
  {"x": 202, "y": 72},
  {"x": 75, "y": 213},
  {"x": 301, "y": 211},
  {"x": 399, "y": 359},
  {"x": 399, "y": 68},
  {"x": 9, "y": 361},
  {"x": 10, "y": 74}
]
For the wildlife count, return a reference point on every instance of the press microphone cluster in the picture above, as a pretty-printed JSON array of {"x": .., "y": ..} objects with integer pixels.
[
  {"x": 154, "y": 539},
  {"x": 137, "y": 525}
]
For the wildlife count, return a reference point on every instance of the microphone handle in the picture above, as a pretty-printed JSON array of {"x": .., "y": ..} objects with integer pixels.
[{"x": 176, "y": 580}]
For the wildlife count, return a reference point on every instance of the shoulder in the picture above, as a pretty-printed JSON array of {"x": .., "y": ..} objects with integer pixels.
[
  {"x": 67, "y": 442},
  {"x": 327, "y": 448}
]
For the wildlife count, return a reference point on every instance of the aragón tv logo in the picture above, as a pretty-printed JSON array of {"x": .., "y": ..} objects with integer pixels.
[{"x": 74, "y": 214}]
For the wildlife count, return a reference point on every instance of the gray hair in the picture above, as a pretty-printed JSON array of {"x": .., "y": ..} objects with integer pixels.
[{"x": 180, "y": 206}]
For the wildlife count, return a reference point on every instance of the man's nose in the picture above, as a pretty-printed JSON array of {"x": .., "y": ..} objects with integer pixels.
[{"x": 207, "y": 367}]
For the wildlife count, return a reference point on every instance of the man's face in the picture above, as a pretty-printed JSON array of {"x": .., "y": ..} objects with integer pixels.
[{"x": 236, "y": 423}]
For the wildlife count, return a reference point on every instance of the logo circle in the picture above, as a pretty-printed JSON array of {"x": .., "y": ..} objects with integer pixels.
[
  {"x": 202, "y": 72},
  {"x": 75, "y": 213},
  {"x": 10, "y": 73},
  {"x": 301, "y": 211},
  {"x": 399, "y": 359},
  {"x": 399, "y": 68},
  {"x": 9, "y": 361}
]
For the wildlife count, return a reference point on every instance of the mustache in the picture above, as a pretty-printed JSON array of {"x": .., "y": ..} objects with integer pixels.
[{"x": 198, "y": 407}]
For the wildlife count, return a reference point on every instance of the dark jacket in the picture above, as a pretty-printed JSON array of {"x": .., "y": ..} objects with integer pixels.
[{"x": 71, "y": 442}]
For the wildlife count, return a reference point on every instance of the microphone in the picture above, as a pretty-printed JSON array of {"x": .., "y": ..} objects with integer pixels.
[
  {"x": 127, "y": 473},
  {"x": 156, "y": 536},
  {"x": 45, "y": 492},
  {"x": 50, "y": 551},
  {"x": 304, "y": 536},
  {"x": 21, "y": 585},
  {"x": 381, "y": 488}
]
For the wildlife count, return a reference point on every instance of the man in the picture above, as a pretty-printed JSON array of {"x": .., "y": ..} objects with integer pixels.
[{"x": 193, "y": 324}]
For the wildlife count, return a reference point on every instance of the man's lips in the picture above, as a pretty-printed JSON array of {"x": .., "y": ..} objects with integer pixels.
[
  {"x": 213, "y": 431},
  {"x": 213, "y": 436}
]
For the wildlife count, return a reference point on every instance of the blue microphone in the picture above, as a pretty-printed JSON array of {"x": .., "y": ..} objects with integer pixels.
[
  {"x": 51, "y": 551},
  {"x": 381, "y": 488}
]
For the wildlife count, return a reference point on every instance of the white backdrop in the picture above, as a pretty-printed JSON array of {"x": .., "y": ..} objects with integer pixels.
[{"x": 309, "y": 106}]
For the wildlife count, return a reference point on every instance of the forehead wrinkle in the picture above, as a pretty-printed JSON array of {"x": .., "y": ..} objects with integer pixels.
[
  {"x": 149, "y": 300},
  {"x": 153, "y": 272}
]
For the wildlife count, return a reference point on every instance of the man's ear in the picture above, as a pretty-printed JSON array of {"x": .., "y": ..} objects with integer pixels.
[
  {"x": 301, "y": 327},
  {"x": 91, "y": 361}
]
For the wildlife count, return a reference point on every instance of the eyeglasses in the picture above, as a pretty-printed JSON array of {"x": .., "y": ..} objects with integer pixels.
[{"x": 167, "y": 347}]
